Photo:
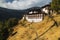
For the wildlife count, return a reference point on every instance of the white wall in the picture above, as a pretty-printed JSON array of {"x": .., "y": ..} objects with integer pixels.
[
  {"x": 39, "y": 19},
  {"x": 45, "y": 10},
  {"x": 33, "y": 20}
]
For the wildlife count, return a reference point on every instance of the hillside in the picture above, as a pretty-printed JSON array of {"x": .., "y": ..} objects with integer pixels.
[
  {"x": 45, "y": 30},
  {"x": 10, "y": 13}
]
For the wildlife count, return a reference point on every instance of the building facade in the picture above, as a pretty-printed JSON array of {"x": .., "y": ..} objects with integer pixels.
[
  {"x": 34, "y": 16},
  {"x": 37, "y": 15}
]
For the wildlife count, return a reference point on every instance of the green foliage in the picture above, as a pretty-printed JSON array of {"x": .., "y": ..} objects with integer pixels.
[
  {"x": 6, "y": 27},
  {"x": 12, "y": 22},
  {"x": 55, "y": 5},
  {"x": 1, "y": 38},
  {"x": 1, "y": 25}
]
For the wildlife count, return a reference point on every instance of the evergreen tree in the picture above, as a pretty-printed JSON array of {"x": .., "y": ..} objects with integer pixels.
[{"x": 55, "y": 5}]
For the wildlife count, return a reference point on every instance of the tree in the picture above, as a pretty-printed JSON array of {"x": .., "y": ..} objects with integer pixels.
[
  {"x": 6, "y": 27},
  {"x": 12, "y": 22},
  {"x": 55, "y": 5},
  {"x": 1, "y": 37}
]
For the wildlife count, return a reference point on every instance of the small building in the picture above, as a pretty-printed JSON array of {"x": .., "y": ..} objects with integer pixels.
[
  {"x": 37, "y": 15},
  {"x": 46, "y": 8},
  {"x": 34, "y": 16}
]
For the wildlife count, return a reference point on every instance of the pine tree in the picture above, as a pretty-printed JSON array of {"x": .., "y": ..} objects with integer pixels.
[{"x": 55, "y": 5}]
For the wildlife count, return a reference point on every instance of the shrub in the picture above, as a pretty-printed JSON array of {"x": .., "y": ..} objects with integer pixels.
[{"x": 6, "y": 27}]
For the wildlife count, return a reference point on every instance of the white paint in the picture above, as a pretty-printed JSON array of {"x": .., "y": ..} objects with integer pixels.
[
  {"x": 45, "y": 10},
  {"x": 39, "y": 19},
  {"x": 33, "y": 20},
  {"x": 31, "y": 12}
]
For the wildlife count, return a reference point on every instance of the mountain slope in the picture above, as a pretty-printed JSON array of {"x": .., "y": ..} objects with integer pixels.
[
  {"x": 9, "y": 13},
  {"x": 41, "y": 30}
]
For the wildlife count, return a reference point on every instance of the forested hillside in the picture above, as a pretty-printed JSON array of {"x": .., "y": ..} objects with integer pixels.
[{"x": 13, "y": 27}]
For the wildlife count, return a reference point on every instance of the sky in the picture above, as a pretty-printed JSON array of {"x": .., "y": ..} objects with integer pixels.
[{"x": 23, "y": 4}]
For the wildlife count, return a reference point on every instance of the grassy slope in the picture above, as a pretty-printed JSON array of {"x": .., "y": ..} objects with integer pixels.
[{"x": 30, "y": 31}]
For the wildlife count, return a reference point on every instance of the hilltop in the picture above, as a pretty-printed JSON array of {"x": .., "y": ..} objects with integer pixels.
[{"x": 45, "y": 30}]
